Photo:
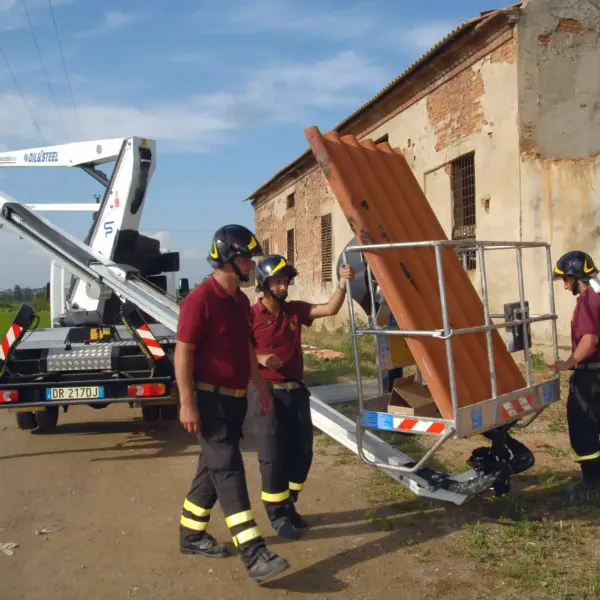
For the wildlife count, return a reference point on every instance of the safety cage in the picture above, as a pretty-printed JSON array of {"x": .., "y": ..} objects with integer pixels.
[{"x": 499, "y": 412}]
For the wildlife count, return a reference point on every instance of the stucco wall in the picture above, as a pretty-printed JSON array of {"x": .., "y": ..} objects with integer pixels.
[{"x": 559, "y": 105}]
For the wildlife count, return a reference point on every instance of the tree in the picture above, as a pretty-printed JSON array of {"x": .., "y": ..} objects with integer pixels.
[{"x": 18, "y": 294}]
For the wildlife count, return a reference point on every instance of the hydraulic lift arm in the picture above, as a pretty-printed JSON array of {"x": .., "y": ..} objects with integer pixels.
[
  {"x": 100, "y": 275},
  {"x": 121, "y": 207}
]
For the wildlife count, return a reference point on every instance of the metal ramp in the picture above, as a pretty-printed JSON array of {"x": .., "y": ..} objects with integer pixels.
[
  {"x": 336, "y": 393},
  {"x": 344, "y": 431}
]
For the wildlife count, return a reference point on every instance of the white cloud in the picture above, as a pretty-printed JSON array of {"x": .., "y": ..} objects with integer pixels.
[
  {"x": 113, "y": 21},
  {"x": 280, "y": 91},
  {"x": 29, "y": 266},
  {"x": 287, "y": 16},
  {"x": 361, "y": 20},
  {"x": 287, "y": 91},
  {"x": 192, "y": 255},
  {"x": 161, "y": 236},
  {"x": 420, "y": 37}
]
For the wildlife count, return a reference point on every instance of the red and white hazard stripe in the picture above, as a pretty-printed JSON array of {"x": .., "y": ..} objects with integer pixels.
[
  {"x": 14, "y": 331},
  {"x": 515, "y": 407},
  {"x": 417, "y": 425},
  {"x": 150, "y": 341}
]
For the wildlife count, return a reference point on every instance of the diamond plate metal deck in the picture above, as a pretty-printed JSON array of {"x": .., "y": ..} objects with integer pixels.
[{"x": 81, "y": 357}]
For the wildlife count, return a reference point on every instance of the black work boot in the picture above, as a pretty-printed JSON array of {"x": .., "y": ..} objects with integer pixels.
[
  {"x": 267, "y": 565},
  {"x": 285, "y": 529},
  {"x": 589, "y": 487},
  {"x": 205, "y": 546},
  {"x": 298, "y": 521}
]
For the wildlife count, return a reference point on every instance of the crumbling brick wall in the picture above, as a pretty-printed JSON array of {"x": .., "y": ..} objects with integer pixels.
[{"x": 273, "y": 220}]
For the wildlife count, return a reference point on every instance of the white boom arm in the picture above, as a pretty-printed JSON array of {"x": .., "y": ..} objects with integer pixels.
[
  {"x": 70, "y": 207},
  {"x": 96, "y": 152},
  {"x": 122, "y": 204}
]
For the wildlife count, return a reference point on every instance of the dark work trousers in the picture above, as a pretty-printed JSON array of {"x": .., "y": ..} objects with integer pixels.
[
  {"x": 221, "y": 475},
  {"x": 583, "y": 418},
  {"x": 284, "y": 440}
]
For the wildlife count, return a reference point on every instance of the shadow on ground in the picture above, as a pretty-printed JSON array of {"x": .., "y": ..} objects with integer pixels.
[
  {"x": 416, "y": 521},
  {"x": 143, "y": 439}
]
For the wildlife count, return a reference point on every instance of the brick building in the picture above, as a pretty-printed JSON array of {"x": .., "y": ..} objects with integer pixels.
[{"x": 500, "y": 123}]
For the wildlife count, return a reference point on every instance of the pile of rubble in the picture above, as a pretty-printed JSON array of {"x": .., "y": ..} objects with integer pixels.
[{"x": 320, "y": 353}]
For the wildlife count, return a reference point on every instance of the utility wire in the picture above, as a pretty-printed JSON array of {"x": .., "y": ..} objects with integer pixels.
[
  {"x": 44, "y": 68},
  {"x": 22, "y": 96},
  {"x": 65, "y": 67}
]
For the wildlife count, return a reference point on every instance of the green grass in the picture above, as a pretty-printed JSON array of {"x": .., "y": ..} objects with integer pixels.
[
  {"x": 322, "y": 372},
  {"x": 7, "y": 317},
  {"x": 546, "y": 557},
  {"x": 533, "y": 543}
]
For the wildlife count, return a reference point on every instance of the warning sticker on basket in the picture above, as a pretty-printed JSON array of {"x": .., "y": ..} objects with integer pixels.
[
  {"x": 476, "y": 418},
  {"x": 375, "y": 420},
  {"x": 548, "y": 392}
]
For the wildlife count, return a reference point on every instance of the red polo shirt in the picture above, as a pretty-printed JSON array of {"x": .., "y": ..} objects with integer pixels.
[
  {"x": 586, "y": 320},
  {"x": 280, "y": 333},
  {"x": 219, "y": 325}
]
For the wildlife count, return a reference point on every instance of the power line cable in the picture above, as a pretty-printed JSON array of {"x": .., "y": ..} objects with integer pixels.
[
  {"x": 22, "y": 96},
  {"x": 44, "y": 68},
  {"x": 65, "y": 68}
]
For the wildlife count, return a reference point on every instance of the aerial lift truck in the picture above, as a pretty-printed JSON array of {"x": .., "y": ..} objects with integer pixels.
[{"x": 115, "y": 317}]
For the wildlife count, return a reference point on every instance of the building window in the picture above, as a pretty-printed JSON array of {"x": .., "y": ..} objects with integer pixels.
[
  {"x": 291, "y": 200},
  {"x": 266, "y": 246},
  {"x": 326, "y": 248},
  {"x": 463, "y": 204},
  {"x": 290, "y": 246},
  {"x": 383, "y": 138}
]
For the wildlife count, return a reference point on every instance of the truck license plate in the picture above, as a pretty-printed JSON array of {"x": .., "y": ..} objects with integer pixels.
[{"x": 75, "y": 393}]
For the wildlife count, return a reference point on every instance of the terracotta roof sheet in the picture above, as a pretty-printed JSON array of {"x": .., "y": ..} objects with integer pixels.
[{"x": 374, "y": 174}]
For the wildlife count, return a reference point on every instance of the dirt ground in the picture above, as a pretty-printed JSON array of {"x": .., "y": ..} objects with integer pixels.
[
  {"x": 94, "y": 509},
  {"x": 109, "y": 490}
]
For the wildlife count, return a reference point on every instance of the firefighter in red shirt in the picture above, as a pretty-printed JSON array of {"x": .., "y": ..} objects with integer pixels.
[
  {"x": 576, "y": 268},
  {"x": 214, "y": 361},
  {"x": 285, "y": 436}
]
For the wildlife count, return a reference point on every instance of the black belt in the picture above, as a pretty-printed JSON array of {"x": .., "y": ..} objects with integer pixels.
[{"x": 589, "y": 366}]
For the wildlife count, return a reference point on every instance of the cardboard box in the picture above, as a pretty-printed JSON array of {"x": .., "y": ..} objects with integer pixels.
[{"x": 411, "y": 399}]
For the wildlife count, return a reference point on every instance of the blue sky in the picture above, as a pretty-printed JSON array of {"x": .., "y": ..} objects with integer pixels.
[{"x": 225, "y": 87}]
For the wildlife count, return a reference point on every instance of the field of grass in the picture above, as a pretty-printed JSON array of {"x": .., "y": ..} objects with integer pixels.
[
  {"x": 534, "y": 543},
  {"x": 7, "y": 317}
]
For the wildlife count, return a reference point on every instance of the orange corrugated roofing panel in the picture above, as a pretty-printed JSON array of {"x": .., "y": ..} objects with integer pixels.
[{"x": 383, "y": 202}]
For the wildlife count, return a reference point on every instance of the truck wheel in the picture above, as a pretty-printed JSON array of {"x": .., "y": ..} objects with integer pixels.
[
  {"x": 151, "y": 413},
  {"x": 169, "y": 412},
  {"x": 26, "y": 420},
  {"x": 47, "y": 419}
]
